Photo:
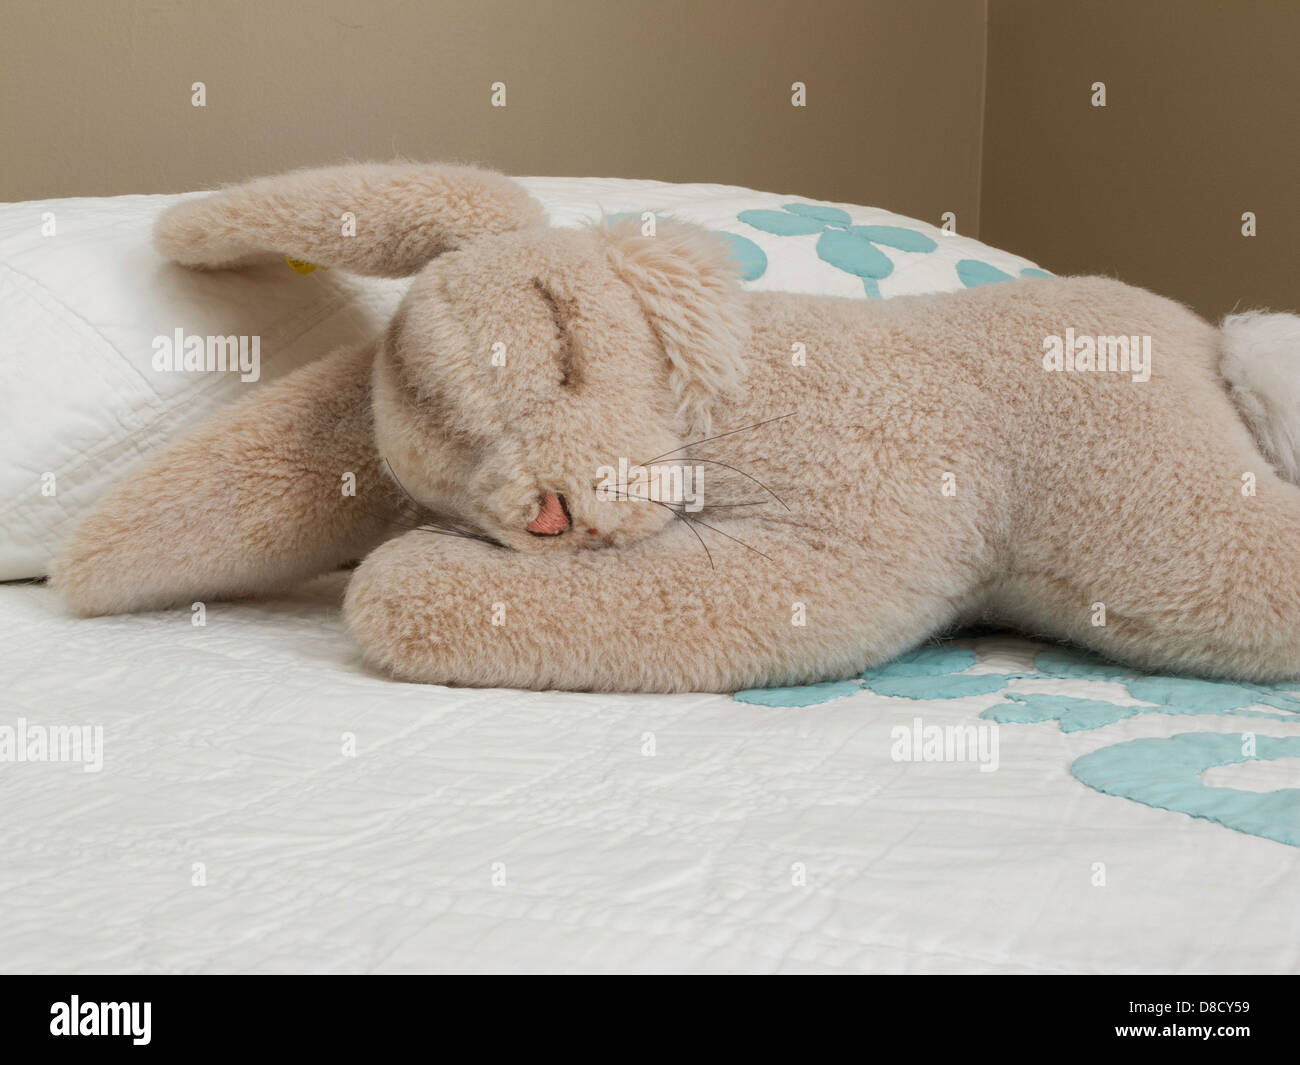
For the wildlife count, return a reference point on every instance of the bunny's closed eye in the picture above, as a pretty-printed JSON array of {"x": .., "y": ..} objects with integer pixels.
[{"x": 570, "y": 367}]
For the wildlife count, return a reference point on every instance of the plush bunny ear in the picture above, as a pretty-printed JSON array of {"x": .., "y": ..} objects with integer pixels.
[
  {"x": 687, "y": 280},
  {"x": 384, "y": 219}
]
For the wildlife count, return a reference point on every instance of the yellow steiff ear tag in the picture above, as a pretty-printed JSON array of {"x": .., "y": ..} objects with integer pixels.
[{"x": 302, "y": 266}]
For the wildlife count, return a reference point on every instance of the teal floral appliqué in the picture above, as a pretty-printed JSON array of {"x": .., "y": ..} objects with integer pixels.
[
  {"x": 940, "y": 671},
  {"x": 1163, "y": 694},
  {"x": 972, "y": 273},
  {"x": 933, "y": 671},
  {"x": 1165, "y": 773},
  {"x": 751, "y": 258},
  {"x": 848, "y": 247}
]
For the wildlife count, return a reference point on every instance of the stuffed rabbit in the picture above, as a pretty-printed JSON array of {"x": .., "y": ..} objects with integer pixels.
[{"x": 917, "y": 466}]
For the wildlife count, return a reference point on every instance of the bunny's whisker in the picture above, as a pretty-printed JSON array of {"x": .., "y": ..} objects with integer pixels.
[
  {"x": 680, "y": 517},
  {"x": 685, "y": 520},
  {"x": 709, "y": 439},
  {"x": 431, "y": 524},
  {"x": 714, "y": 528},
  {"x": 749, "y": 476},
  {"x": 692, "y": 521}
]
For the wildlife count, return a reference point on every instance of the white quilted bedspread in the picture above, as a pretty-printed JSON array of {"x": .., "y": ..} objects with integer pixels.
[{"x": 507, "y": 831}]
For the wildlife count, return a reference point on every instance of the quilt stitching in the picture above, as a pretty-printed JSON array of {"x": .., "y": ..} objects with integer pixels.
[{"x": 1164, "y": 773}]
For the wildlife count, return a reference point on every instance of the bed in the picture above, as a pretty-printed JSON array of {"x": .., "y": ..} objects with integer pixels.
[{"x": 249, "y": 797}]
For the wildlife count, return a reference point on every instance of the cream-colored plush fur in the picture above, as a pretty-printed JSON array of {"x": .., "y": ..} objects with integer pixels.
[{"x": 920, "y": 468}]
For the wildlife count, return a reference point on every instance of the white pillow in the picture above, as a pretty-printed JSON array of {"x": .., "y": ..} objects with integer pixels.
[{"x": 86, "y": 304}]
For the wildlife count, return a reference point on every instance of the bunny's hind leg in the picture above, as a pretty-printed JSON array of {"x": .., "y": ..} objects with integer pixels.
[{"x": 1213, "y": 591}]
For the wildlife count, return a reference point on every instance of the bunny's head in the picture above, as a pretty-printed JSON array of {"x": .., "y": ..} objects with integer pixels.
[{"x": 523, "y": 360}]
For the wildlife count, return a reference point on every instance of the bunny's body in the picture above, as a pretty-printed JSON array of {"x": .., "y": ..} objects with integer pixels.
[{"x": 917, "y": 467}]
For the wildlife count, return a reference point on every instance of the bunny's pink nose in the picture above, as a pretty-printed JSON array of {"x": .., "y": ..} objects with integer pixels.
[{"x": 552, "y": 519}]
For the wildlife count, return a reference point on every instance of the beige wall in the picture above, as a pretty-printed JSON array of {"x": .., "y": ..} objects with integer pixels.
[
  {"x": 1201, "y": 123},
  {"x": 1202, "y": 119},
  {"x": 95, "y": 94}
]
